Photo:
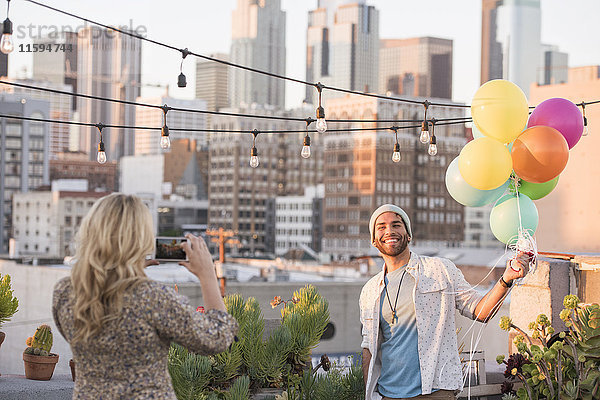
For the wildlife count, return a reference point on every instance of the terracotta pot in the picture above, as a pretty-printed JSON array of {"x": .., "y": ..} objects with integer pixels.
[
  {"x": 72, "y": 365},
  {"x": 2, "y": 336},
  {"x": 39, "y": 368}
]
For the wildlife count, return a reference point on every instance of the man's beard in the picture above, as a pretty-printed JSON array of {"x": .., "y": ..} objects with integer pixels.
[{"x": 395, "y": 250}]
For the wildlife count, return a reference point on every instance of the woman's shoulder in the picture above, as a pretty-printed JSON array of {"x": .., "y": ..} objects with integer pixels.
[
  {"x": 153, "y": 291},
  {"x": 63, "y": 286}
]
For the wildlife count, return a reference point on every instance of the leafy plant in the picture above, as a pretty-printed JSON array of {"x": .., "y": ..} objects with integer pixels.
[
  {"x": 8, "y": 303},
  {"x": 251, "y": 362},
  {"x": 565, "y": 366}
]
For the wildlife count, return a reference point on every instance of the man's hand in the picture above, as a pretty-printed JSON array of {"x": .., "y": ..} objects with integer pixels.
[{"x": 517, "y": 267}]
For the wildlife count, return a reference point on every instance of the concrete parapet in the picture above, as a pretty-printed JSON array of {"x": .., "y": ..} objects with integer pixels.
[{"x": 541, "y": 292}]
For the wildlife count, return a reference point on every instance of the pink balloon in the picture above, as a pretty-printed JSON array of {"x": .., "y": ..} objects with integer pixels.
[{"x": 560, "y": 114}]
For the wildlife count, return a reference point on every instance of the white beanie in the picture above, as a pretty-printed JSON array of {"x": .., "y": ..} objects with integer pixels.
[{"x": 389, "y": 208}]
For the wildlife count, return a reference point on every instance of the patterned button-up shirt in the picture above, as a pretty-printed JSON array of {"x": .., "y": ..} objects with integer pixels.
[{"x": 440, "y": 288}]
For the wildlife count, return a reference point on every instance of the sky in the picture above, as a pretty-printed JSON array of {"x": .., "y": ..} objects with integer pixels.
[{"x": 205, "y": 27}]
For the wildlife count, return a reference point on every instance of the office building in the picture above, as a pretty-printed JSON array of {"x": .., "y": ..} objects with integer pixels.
[
  {"x": 59, "y": 65},
  {"x": 239, "y": 195},
  {"x": 108, "y": 65},
  {"x": 45, "y": 223},
  {"x": 257, "y": 41},
  {"x": 342, "y": 47},
  {"x": 510, "y": 41},
  {"x": 298, "y": 222},
  {"x": 24, "y": 147},
  {"x": 212, "y": 82},
  {"x": 416, "y": 67},
  {"x": 148, "y": 141},
  {"x": 60, "y": 109},
  {"x": 554, "y": 66},
  {"x": 77, "y": 165}
]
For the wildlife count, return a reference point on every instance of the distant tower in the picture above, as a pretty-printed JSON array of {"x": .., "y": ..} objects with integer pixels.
[
  {"x": 109, "y": 65},
  {"x": 416, "y": 67},
  {"x": 512, "y": 27},
  {"x": 258, "y": 41},
  {"x": 342, "y": 47}
]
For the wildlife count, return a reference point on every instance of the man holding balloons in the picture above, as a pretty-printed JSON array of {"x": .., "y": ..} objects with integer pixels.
[{"x": 409, "y": 341}]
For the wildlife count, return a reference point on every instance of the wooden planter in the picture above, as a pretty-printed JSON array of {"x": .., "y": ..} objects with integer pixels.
[{"x": 39, "y": 368}]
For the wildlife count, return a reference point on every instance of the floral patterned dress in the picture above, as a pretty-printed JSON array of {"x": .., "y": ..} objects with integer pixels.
[{"x": 128, "y": 358}]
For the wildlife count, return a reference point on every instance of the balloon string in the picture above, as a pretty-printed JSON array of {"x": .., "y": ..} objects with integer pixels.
[{"x": 516, "y": 183}]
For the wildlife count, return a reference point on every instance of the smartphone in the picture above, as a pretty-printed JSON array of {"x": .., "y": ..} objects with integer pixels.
[{"x": 169, "y": 249}]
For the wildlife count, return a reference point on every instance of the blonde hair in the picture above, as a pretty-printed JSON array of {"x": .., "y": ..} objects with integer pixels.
[{"x": 112, "y": 242}]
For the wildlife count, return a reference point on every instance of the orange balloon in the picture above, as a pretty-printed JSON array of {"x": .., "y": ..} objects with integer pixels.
[{"x": 539, "y": 154}]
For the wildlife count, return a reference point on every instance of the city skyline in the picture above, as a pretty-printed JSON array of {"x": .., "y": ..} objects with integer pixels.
[{"x": 564, "y": 26}]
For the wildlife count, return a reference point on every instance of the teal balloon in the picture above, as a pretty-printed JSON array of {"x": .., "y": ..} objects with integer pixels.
[
  {"x": 504, "y": 218},
  {"x": 466, "y": 194},
  {"x": 476, "y": 132},
  {"x": 536, "y": 191}
]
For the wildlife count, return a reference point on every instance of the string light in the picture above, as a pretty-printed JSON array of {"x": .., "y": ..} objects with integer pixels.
[
  {"x": 321, "y": 123},
  {"x": 165, "y": 142},
  {"x": 305, "y": 153},
  {"x": 432, "y": 150},
  {"x": 6, "y": 43},
  {"x": 253, "y": 152},
  {"x": 585, "y": 125},
  {"x": 181, "y": 80},
  {"x": 101, "y": 158},
  {"x": 424, "y": 137},
  {"x": 396, "y": 157}
]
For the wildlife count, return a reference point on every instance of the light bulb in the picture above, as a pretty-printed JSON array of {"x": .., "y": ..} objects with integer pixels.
[
  {"x": 101, "y": 157},
  {"x": 432, "y": 149},
  {"x": 165, "y": 142},
  {"x": 254, "y": 161},
  {"x": 321, "y": 125},
  {"x": 396, "y": 157},
  {"x": 6, "y": 44},
  {"x": 305, "y": 153},
  {"x": 424, "y": 138}
]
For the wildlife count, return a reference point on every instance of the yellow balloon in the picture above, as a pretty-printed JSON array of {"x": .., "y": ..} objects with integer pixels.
[
  {"x": 500, "y": 111},
  {"x": 485, "y": 163}
]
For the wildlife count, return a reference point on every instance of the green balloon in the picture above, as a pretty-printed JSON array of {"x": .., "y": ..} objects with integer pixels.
[
  {"x": 536, "y": 191},
  {"x": 504, "y": 218}
]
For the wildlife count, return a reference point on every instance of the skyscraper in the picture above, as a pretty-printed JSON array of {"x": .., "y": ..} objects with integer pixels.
[
  {"x": 212, "y": 82},
  {"x": 554, "y": 66},
  {"x": 511, "y": 34},
  {"x": 342, "y": 47},
  {"x": 257, "y": 41},
  {"x": 109, "y": 65},
  {"x": 416, "y": 67},
  {"x": 491, "y": 49},
  {"x": 148, "y": 141},
  {"x": 59, "y": 65}
]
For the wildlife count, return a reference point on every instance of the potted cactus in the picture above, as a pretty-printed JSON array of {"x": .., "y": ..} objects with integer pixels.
[
  {"x": 39, "y": 362},
  {"x": 8, "y": 303}
]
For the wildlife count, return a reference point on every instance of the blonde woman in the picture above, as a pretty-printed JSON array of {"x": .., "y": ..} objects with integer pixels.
[{"x": 118, "y": 322}]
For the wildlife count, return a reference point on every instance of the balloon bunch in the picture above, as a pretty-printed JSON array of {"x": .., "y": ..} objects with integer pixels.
[{"x": 514, "y": 158}]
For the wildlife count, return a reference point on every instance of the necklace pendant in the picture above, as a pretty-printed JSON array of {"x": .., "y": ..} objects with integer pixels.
[{"x": 393, "y": 315}]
